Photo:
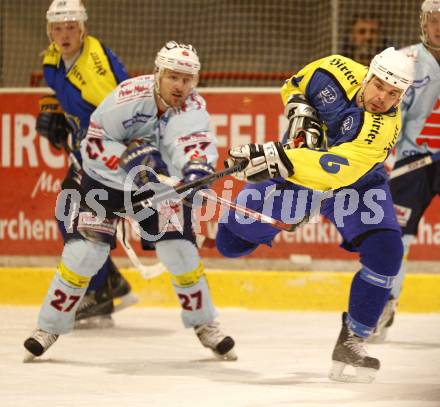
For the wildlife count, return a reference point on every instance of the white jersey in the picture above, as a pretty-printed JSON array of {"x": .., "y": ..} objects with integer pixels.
[
  {"x": 421, "y": 107},
  {"x": 130, "y": 112}
]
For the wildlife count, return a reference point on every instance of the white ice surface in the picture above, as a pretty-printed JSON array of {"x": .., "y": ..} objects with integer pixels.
[{"x": 149, "y": 359}]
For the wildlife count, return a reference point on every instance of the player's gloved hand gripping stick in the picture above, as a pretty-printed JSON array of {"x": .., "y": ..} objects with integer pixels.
[{"x": 173, "y": 192}]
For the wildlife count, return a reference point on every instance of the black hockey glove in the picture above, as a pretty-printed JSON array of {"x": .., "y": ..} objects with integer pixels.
[
  {"x": 265, "y": 161},
  {"x": 51, "y": 122},
  {"x": 305, "y": 128},
  {"x": 147, "y": 159}
]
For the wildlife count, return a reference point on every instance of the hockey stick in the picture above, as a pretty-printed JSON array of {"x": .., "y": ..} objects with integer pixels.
[
  {"x": 146, "y": 272},
  {"x": 207, "y": 195},
  {"x": 251, "y": 213},
  {"x": 425, "y": 161},
  {"x": 180, "y": 188},
  {"x": 415, "y": 165}
]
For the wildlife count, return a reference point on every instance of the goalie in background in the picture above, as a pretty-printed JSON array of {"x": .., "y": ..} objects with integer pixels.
[
  {"x": 148, "y": 128},
  {"x": 413, "y": 192},
  {"x": 359, "y": 113},
  {"x": 81, "y": 71}
]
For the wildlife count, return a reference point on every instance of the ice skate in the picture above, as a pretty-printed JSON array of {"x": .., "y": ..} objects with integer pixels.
[
  {"x": 95, "y": 310},
  {"x": 349, "y": 351},
  {"x": 38, "y": 343},
  {"x": 211, "y": 337},
  {"x": 385, "y": 321},
  {"x": 121, "y": 290}
]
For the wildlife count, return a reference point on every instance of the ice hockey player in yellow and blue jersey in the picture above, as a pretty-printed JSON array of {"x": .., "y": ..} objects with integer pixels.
[
  {"x": 343, "y": 120},
  {"x": 82, "y": 72}
]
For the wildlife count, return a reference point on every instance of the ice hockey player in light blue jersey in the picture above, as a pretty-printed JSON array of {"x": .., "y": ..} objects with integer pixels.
[
  {"x": 148, "y": 126},
  {"x": 131, "y": 113},
  {"x": 420, "y": 136}
]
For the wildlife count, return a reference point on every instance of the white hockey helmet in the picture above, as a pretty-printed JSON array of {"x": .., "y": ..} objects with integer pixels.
[
  {"x": 66, "y": 10},
  {"x": 393, "y": 67},
  {"x": 178, "y": 57},
  {"x": 428, "y": 7}
]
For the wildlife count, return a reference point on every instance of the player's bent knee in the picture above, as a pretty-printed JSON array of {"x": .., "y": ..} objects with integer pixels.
[
  {"x": 230, "y": 245},
  {"x": 85, "y": 257}
]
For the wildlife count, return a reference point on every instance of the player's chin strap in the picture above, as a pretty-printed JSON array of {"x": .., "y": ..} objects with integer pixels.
[
  {"x": 157, "y": 89},
  {"x": 159, "y": 96}
]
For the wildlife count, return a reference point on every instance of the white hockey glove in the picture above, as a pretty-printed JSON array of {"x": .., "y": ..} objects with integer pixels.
[
  {"x": 265, "y": 161},
  {"x": 305, "y": 128}
]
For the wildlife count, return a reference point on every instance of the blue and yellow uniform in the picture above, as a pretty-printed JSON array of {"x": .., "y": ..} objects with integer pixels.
[
  {"x": 358, "y": 141},
  {"x": 82, "y": 87},
  {"x": 349, "y": 174}
]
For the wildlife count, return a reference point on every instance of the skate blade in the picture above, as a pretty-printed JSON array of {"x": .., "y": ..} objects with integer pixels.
[
  {"x": 96, "y": 322},
  {"x": 125, "y": 301},
  {"x": 228, "y": 356},
  {"x": 363, "y": 374}
]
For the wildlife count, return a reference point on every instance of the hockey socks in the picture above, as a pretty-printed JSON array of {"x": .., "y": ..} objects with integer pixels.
[{"x": 380, "y": 256}]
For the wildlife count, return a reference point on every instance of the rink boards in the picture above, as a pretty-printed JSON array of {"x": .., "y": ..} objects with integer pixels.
[
  {"x": 259, "y": 290},
  {"x": 32, "y": 173}
]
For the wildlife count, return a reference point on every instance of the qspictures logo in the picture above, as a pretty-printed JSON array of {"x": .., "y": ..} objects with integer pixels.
[{"x": 288, "y": 205}]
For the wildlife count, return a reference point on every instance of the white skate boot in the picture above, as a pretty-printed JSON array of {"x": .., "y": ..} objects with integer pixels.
[
  {"x": 349, "y": 351},
  {"x": 38, "y": 343},
  {"x": 211, "y": 337}
]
